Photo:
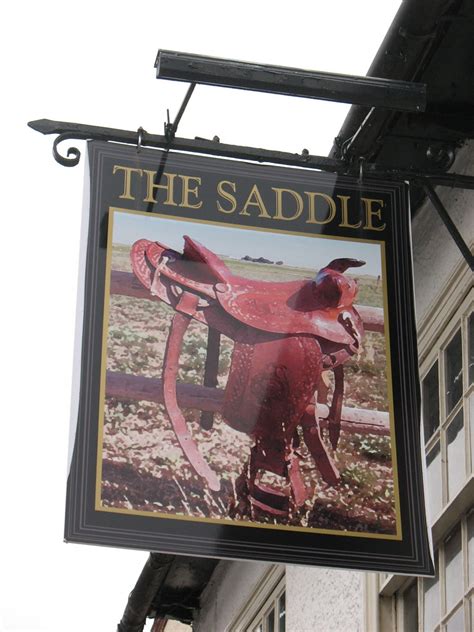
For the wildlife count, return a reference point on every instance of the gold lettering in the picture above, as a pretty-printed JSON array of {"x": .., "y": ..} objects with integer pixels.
[
  {"x": 168, "y": 187},
  {"x": 127, "y": 181},
  {"x": 255, "y": 199},
  {"x": 312, "y": 208},
  {"x": 345, "y": 213},
  {"x": 370, "y": 213},
  {"x": 187, "y": 191},
  {"x": 279, "y": 204},
  {"x": 227, "y": 196}
]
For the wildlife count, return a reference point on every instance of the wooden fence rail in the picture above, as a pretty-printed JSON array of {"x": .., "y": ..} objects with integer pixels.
[{"x": 128, "y": 387}]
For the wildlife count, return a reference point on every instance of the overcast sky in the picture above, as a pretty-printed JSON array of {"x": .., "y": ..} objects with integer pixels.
[{"x": 92, "y": 62}]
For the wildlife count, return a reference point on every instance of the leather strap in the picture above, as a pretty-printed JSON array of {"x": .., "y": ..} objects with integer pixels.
[
  {"x": 334, "y": 417},
  {"x": 187, "y": 303},
  {"x": 312, "y": 438}
]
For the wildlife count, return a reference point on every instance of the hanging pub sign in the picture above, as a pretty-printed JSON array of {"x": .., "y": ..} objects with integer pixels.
[{"x": 248, "y": 383}]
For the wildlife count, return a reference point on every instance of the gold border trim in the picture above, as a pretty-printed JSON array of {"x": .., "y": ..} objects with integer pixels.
[
  {"x": 103, "y": 360},
  {"x": 223, "y": 521}
]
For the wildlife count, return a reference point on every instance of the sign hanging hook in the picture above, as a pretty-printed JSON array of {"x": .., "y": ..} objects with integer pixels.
[
  {"x": 140, "y": 133},
  {"x": 361, "y": 169},
  {"x": 170, "y": 128}
]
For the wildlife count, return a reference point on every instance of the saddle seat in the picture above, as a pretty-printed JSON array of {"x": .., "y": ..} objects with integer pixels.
[
  {"x": 312, "y": 306},
  {"x": 320, "y": 307}
]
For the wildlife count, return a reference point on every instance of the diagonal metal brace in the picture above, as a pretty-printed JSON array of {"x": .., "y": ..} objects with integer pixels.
[
  {"x": 448, "y": 222},
  {"x": 171, "y": 128}
]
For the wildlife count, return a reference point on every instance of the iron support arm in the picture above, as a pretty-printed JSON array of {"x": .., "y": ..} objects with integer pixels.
[{"x": 69, "y": 131}]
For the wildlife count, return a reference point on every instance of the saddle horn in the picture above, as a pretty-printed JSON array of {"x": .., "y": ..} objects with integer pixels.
[{"x": 341, "y": 265}]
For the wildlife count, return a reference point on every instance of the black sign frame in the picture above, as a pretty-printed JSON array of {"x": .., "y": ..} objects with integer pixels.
[{"x": 123, "y": 178}]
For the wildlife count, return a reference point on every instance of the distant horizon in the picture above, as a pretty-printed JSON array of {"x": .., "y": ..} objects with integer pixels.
[
  {"x": 283, "y": 265},
  {"x": 235, "y": 242}
]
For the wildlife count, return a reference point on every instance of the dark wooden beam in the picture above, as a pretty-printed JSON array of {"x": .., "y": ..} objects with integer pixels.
[{"x": 368, "y": 91}]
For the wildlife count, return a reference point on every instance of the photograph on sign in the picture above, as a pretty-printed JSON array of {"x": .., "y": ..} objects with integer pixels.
[
  {"x": 281, "y": 416},
  {"x": 248, "y": 383}
]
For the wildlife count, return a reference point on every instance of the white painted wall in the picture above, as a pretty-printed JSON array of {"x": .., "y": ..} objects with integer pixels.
[
  {"x": 323, "y": 600},
  {"x": 232, "y": 585},
  {"x": 435, "y": 255},
  {"x": 318, "y": 599}
]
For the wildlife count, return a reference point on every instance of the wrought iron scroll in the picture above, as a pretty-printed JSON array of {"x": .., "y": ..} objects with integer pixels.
[{"x": 67, "y": 161}]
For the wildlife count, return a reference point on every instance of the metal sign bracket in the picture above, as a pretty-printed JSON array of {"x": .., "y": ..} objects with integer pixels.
[
  {"x": 171, "y": 128},
  {"x": 140, "y": 138}
]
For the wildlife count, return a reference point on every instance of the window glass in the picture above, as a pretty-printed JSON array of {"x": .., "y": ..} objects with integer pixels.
[
  {"x": 270, "y": 618},
  {"x": 470, "y": 334},
  {"x": 410, "y": 608},
  {"x": 281, "y": 613},
  {"x": 455, "y": 623},
  {"x": 470, "y": 547},
  {"x": 471, "y": 418},
  {"x": 453, "y": 360},
  {"x": 431, "y": 602},
  {"x": 456, "y": 463},
  {"x": 433, "y": 468},
  {"x": 430, "y": 391},
  {"x": 454, "y": 572}
]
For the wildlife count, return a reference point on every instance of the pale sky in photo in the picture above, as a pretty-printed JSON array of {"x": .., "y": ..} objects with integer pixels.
[
  {"x": 93, "y": 63},
  {"x": 294, "y": 250}
]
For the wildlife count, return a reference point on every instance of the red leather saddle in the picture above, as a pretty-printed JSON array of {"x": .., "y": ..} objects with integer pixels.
[{"x": 285, "y": 334}]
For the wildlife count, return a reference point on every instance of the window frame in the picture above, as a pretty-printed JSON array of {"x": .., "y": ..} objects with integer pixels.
[
  {"x": 456, "y": 509},
  {"x": 272, "y": 602},
  {"x": 267, "y": 593},
  {"x": 466, "y": 599},
  {"x": 458, "y": 323}
]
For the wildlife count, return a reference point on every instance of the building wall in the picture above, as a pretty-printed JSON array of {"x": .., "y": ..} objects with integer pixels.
[
  {"x": 231, "y": 587},
  {"x": 443, "y": 282},
  {"x": 318, "y": 599},
  {"x": 435, "y": 255},
  {"x": 323, "y": 600}
]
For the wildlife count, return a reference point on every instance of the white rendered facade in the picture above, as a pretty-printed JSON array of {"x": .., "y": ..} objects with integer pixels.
[{"x": 241, "y": 594}]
